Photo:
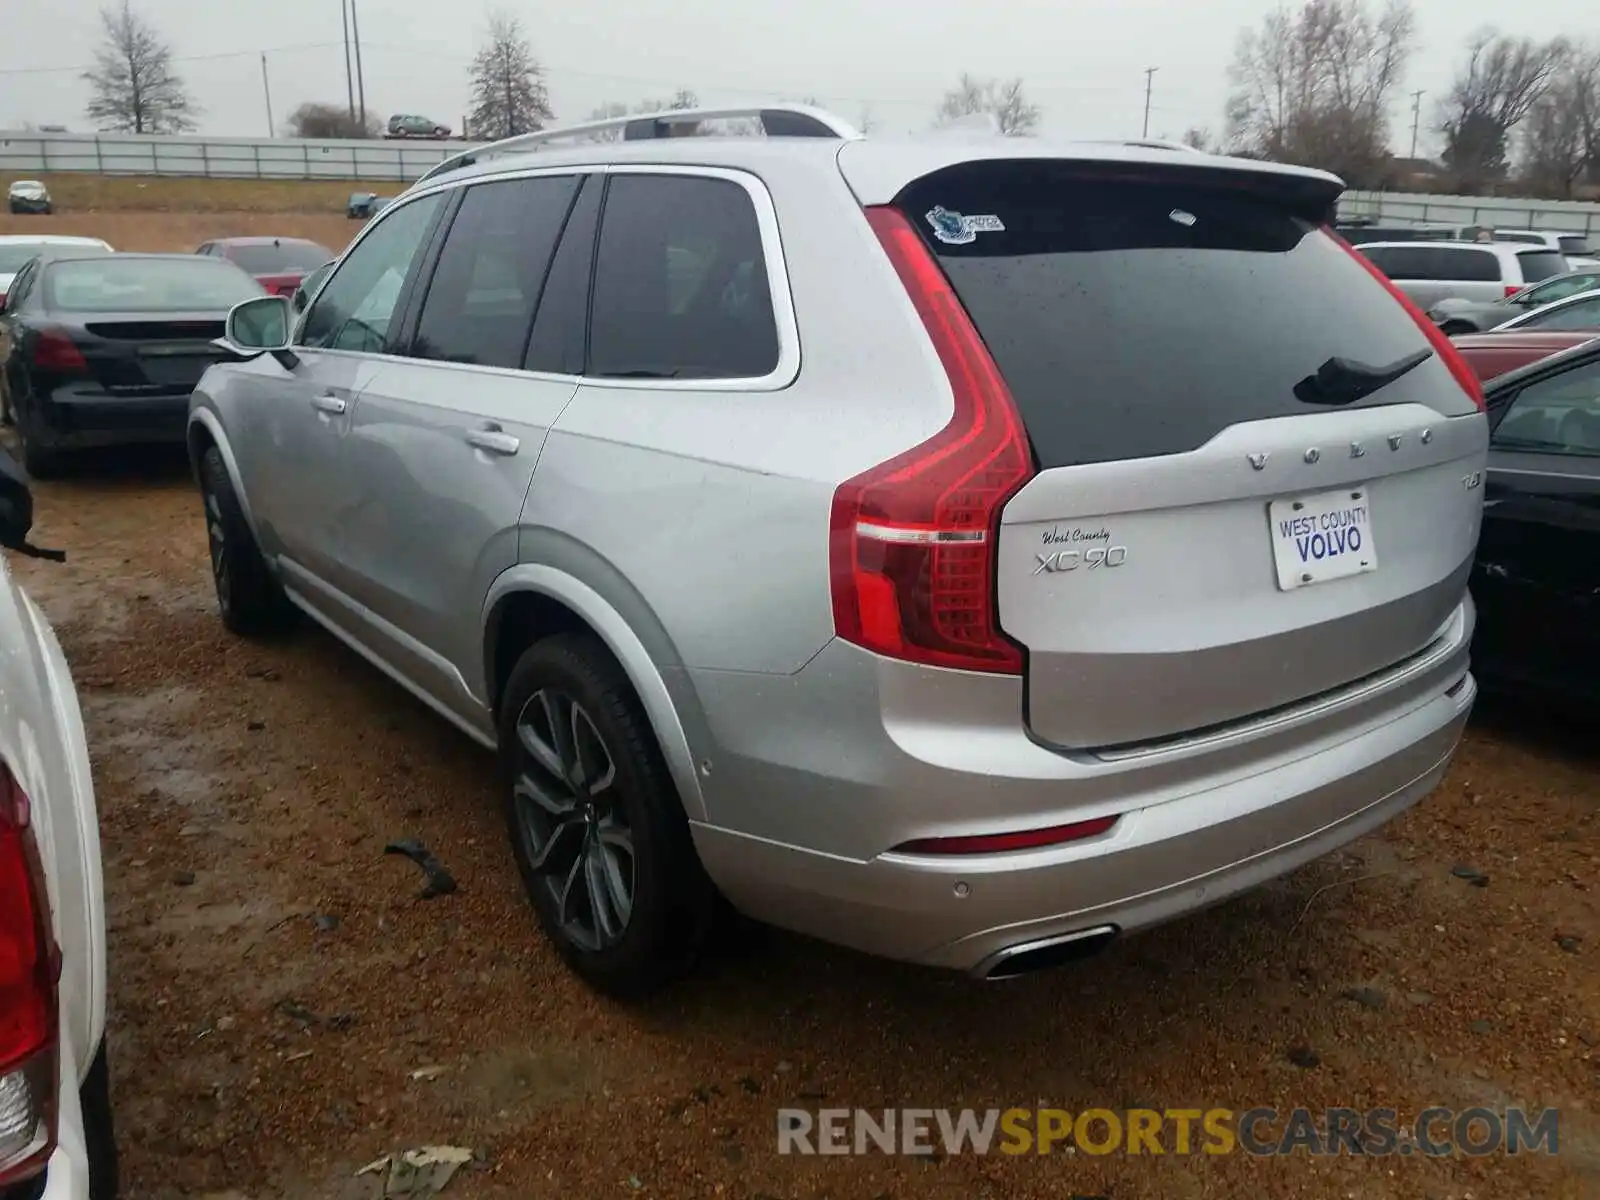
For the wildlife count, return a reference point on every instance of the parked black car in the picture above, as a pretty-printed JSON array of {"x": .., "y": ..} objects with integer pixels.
[
  {"x": 105, "y": 349},
  {"x": 1537, "y": 574}
]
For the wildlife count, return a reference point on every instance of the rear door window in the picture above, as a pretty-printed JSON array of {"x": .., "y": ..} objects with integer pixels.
[
  {"x": 1541, "y": 264},
  {"x": 480, "y": 303},
  {"x": 680, "y": 282},
  {"x": 1133, "y": 318},
  {"x": 1457, "y": 264}
]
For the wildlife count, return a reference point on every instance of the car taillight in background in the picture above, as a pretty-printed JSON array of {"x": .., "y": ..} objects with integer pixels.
[
  {"x": 53, "y": 350},
  {"x": 1442, "y": 345},
  {"x": 29, "y": 972},
  {"x": 912, "y": 541},
  {"x": 1512, "y": 289}
]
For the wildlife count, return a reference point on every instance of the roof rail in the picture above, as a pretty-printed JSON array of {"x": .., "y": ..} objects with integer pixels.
[
  {"x": 1149, "y": 144},
  {"x": 776, "y": 120}
]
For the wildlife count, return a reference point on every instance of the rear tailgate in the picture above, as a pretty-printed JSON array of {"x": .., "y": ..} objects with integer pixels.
[{"x": 1211, "y": 535}]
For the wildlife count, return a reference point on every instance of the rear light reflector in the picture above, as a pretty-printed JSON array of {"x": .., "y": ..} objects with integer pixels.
[
  {"x": 29, "y": 973},
  {"x": 912, "y": 540},
  {"x": 1442, "y": 345},
  {"x": 53, "y": 350},
  {"x": 1000, "y": 843}
]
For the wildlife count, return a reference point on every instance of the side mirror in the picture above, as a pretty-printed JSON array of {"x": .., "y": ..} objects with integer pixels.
[
  {"x": 260, "y": 326},
  {"x": 16, "y": 512}
]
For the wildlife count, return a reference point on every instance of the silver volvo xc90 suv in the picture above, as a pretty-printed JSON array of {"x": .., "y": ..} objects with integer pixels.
[{"x": 966, "y": 550}]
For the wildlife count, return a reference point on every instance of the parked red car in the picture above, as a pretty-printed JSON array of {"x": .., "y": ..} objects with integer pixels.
[
  {"x": 279, "y": 264},
  {"x": 1492, "y": 354}
]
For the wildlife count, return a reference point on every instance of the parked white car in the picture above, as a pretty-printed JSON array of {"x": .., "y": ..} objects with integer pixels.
[
  {"x": 29, "y": 196},
  {"x": 56, "y": 1138},
  {"x": 16, "y": 249},
  {"x": 1574, "y": 246}
]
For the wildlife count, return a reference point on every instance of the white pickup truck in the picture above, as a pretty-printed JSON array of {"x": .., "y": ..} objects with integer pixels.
[{"x": 56, "y": 1138}]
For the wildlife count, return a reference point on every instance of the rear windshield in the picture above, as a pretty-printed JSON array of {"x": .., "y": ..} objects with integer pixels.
[
  {"x": 1541, "y": 264},
  {"x": 1133, "y": 319},
  {"x": 117, "y": 284},
  {"x": 1575, "y": 244},
  {"x": 287, "y": 256}
]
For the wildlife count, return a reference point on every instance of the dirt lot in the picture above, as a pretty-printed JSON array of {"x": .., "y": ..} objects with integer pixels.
[
  {"x": 276, "y": 980},
  {"x": 179, "y": 214}
]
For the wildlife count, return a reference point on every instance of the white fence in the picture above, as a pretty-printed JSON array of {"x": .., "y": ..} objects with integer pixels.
[
  {"x": 396, "y": 161},
  {"x": 1405, "y": 208},
  {"x": 220, "y": 158}
]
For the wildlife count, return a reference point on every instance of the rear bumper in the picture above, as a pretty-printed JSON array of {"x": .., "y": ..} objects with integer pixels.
[
  {"x": 1192, "y": 831},
  {"x": 82, "y": 415},
  {"x": 29, "y": 206}
]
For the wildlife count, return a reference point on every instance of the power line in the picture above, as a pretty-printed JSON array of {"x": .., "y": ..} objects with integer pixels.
[{"x": 177, "y": 58}]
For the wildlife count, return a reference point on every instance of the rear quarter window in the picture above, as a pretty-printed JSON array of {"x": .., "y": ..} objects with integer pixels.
[
  {"x": 1133, "y": 318},
  {"x": 1541, "y": 264}
]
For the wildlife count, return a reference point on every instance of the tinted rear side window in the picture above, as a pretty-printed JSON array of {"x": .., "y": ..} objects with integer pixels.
[
  {"x": 1575, "y": 245},
  {"x": 1133, "y": 319},
  {"x": 1458, "y": 265},
  {"x": 1541, "y": 264},
  {"x": 491, "y": 272},
  {"x": 680, "y": 282}
]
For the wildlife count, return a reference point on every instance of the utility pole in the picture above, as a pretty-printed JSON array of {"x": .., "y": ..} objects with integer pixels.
[
  {"x": 361, "y": 79},
  {"x": 1416, "y": 119},
  {"x": 266, "y": 90},
  {"x": 349, "y": 79},
  {"x": 1149, "y": 84}
]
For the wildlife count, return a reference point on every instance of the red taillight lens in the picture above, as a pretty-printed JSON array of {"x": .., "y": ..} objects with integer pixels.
[
  {"x": 1512, "y": 289},
  {"x": 913, "y": 540},
  {"x": 999, "y": 843},
  {"x": 55, "y": 351},
  {"x": 29, "y": 969},
  {"x": 1442, "y": 346}
]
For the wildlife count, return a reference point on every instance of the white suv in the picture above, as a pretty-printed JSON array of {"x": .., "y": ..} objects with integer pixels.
[{"x": 55, "y": 1101}]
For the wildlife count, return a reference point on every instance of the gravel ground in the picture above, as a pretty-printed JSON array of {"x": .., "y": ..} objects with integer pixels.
[{"x": 276, "y": 980}]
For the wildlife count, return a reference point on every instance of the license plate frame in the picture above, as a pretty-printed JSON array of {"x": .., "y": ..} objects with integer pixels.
[{"x": 1321, "y": 537}]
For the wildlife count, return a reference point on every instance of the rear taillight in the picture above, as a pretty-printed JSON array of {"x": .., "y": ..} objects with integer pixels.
[
  {"x": 53, "y": 350},
  {"x": 29, "y": 971},
  {"x": 912, "y": 545},
  {"x": 1442, "y": 345},
  {"x": 1512, "y": 289}
]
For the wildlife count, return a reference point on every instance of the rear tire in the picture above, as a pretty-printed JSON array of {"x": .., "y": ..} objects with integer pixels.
[
  {"x": 596, "y": 826},
  {"x": 249, "y": 599},
  {"x": 99, "y": 1130},
  {"x": 1453, "y": 328},
  {"x": 38, "y": 460}
]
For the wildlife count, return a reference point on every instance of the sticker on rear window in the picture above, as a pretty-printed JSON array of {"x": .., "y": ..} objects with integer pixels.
[{"x": 957, "y": 229}]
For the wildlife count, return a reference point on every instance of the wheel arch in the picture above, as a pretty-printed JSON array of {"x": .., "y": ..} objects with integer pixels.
[
  {"x": 205, "y": 431},
  {"x": 536, "y": 600}
]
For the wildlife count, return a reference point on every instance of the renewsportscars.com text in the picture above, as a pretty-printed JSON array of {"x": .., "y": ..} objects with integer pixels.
[{"x": 1433, "y": 1132}]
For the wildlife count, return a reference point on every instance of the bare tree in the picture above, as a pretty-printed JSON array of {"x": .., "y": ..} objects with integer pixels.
[
  {"x": 1313, "y": 85},
  {"x": 1561, "y": 135},
  {"x": 133, "y": 88},
  {"x": 1002, "y": 99},
  {"x": 1494, "y": 91},
  {"x": 1200, "y": 138},
  {"x": 866, "y": 122},
  {"x": 682, "y": 99},
  {"x": 317, "y": 120},
  {"x": 509, "y": 95}
]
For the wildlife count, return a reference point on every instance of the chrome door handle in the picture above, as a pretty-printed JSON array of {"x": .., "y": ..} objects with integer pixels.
[
  {"x": 493, "y": 441},
  {"x": 328, "y": 404}
]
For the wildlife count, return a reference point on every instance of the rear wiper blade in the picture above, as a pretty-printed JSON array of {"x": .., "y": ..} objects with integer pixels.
[{"x": 1344, "y": 381}]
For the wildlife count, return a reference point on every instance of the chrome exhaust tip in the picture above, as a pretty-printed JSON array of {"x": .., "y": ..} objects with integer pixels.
[{"x": 1027, "y": 957}]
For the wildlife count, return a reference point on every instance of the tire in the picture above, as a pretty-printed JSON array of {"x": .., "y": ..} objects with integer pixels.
[
  {"x": 249, "y": 600},
  {"x": 99, "y": 1130},
  {"x": 623, "y": 840},
  {"x": 1453, "y": 328},
  {"x": 38, "y": 460}
]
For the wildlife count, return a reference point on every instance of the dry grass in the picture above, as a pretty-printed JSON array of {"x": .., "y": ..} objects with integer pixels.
[
  {"x": 184, "y": 231},
  {"x": 74, "y": 192}
]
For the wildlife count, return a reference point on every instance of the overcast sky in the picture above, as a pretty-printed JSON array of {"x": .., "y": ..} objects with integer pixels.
[{"x": 1082, "y": 61}]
